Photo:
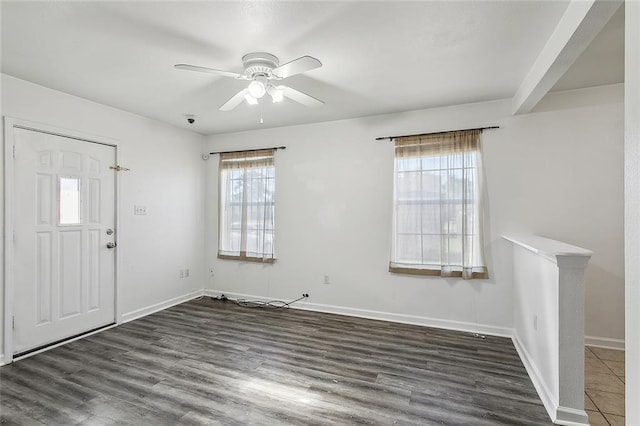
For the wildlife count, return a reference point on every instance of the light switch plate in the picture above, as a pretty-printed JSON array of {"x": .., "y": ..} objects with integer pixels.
[{"x": 140, "y": 210}]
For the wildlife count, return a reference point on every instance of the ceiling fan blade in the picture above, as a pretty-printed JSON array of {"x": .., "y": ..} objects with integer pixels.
[
  {"x": 301, "y": 98},
  {"x": 302, "y": 64},
  {"x": 211, "y": 71},
  {"x": 234, "y": 101}
]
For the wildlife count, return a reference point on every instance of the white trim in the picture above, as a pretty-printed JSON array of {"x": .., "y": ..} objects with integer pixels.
[
  {"x": 156, "y": 307},
  {"x": 545, "y": 247},
  {"x": 2, "y": 360},
  {"x": 559, "y": 415},
  {"x": 10, "y": 123},
  {"x": 58, "y": 131},
  {"x": 544, "y": 393},
  {"x": 117, "y": 298},
  {"x": 408, "y": 319},
  {"x": 571, "y": 417},
  {"x": 7, "y": 344},
  {"x": 378, "y": 315},
  {"x": 604, "y": 342}
]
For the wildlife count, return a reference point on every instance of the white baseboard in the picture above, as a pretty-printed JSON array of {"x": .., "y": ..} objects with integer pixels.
[
  {"x": 558, "y": 414},
  {"x": 604, "y": 342},
  {"x": 544, "y": 393},
  {"x": 379, "y": 315},
  {"x": 143, "y": 312},
  {"x": 571, "y": 417}
]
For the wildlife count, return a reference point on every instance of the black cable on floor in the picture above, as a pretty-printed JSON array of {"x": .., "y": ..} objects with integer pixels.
[{"x": 273, "y": 304}]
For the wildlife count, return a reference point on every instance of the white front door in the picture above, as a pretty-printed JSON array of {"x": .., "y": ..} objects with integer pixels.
[{"x": 64, "y": 217}]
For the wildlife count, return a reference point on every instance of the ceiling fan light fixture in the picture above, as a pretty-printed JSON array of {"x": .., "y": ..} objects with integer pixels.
[
  {"x": 276, "y": 93},
  {"x": 257, "y": 89},
  {"x": 250, "y": 99}
]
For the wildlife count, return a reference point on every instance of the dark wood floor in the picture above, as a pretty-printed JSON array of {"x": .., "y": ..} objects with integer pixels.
[{"x": 212, "y": 362}]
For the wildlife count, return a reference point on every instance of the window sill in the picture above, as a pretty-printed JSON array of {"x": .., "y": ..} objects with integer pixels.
[
  {"x": 436, "y": 273},
  {"x": 247, "y": 258}
]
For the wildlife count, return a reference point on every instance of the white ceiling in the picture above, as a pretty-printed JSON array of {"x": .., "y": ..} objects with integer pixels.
[
  {"x": 602, "y": 62},
  {"x": 378, "y": 57}
]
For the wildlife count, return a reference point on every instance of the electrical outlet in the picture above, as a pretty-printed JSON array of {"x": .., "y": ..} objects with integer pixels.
[
  {"x": 327, "y": 280},
  {"x": 211, "y": 271},
  {"x": 181, "y": 273},
  {"x": 139, "y": 210}
]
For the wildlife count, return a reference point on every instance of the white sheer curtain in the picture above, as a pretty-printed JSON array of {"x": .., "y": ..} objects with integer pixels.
[
  {"x": 437, "y": 227},
  {"x": 247, "y": 205}
]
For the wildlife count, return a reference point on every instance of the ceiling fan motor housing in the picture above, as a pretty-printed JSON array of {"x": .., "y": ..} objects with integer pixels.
[{"x": 259, "y": 64}]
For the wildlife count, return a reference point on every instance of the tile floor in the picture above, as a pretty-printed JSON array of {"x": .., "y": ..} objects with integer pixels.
[{"x": 604, "y": 386}]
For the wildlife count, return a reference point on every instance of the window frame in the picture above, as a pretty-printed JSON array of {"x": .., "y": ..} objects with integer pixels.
[
  {"x": 223, "y": 205},
  {"x": 424, "y": 148}
]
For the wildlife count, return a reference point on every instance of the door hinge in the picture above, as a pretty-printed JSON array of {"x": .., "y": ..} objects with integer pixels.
[
  {"x": 14, "y": 150},
  {"x": 119, "y": 168},
  {"x": 13, "y": 322}
]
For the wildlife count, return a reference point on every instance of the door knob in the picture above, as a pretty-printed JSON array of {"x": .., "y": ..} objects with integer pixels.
[{"x": 111, "y": 245}]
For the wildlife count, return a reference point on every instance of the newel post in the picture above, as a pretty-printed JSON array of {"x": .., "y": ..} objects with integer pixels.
[{"x": 571, "y": 288}]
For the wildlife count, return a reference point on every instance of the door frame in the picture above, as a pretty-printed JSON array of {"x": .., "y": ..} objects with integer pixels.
[{"x": 10, "y": 124}]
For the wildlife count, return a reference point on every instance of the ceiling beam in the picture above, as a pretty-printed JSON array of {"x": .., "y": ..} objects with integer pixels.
[{"x": 580, "y": 24}]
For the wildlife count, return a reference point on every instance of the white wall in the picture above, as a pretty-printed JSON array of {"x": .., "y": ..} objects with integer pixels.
[
  {"x": 167, "y": 176},
  {"x": 632, "y": 209},
  {"x": 536, "y": 293},
  {"x": 569, "y": 187},
  {"x": 556, "y": 172},
  {"x": 548, "y": 321}
]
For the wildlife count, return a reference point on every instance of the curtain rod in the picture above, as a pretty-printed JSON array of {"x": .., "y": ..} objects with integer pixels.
[
  {"x": 247, "y": 150},
  {"x": 437, "y": 133}
]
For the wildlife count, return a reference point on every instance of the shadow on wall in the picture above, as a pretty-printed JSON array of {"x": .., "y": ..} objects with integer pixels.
[{"x": 604, "y": 300}]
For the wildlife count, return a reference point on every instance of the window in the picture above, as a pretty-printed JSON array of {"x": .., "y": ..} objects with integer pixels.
[
  {"x": 68, "y": 201},
  {"x": 247, "y": 205},
  {"x": 437, "y": 227}
]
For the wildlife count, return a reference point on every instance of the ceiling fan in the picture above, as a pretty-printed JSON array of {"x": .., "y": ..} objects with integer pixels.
[{"x": 264, "y": 72}]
